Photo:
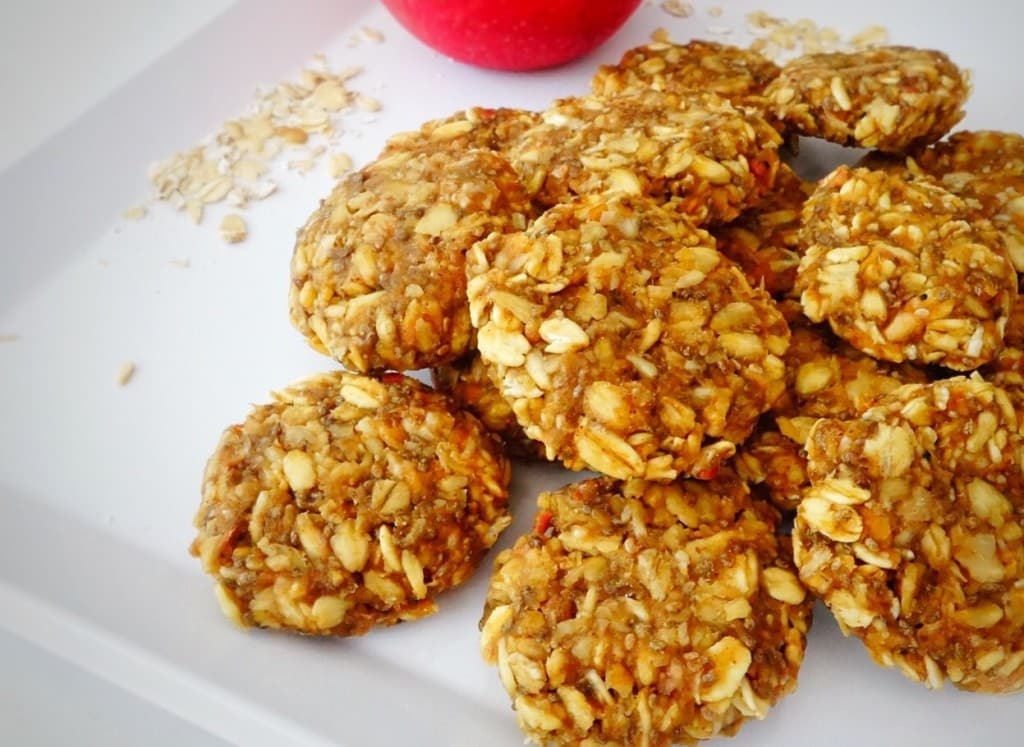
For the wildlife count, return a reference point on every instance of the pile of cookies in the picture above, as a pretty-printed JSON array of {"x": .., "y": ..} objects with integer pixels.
[{"x": 638, "y": 283}]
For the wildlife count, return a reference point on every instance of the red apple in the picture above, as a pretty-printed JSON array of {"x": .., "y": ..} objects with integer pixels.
[{"x": 512, "y": 34}]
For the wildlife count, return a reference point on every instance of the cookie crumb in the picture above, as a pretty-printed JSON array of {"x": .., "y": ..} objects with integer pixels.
[
  {"x": 233, "y": 228},
  {"x": 138, "y": 212},
  {"x": 125, "y": 373},
  {"x": 677, "y": 8}
]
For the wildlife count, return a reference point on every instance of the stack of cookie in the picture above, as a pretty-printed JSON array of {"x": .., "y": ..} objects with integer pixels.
[{"x": 638, "y": 283}]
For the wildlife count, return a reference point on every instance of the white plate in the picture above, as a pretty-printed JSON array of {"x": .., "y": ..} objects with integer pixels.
[{"x": 99, "y": 483}]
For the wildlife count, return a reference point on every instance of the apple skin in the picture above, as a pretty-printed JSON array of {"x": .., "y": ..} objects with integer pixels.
[{"x": 512, "y": 34}]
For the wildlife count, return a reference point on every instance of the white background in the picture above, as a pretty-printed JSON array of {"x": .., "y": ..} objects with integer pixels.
[{"x": 97, "y": 484}]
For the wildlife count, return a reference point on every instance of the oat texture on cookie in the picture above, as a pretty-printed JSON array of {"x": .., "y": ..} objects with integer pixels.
[
  {"x": 624, "y": 341},
  {"x": 476, "y": 127},
  {"x": 346, "y": 503},
  {"x": 378, "y": 272},
  {"x": 904, "y": 270},
  {"x": 645, "y": 613},
  {"x": 911, "y": 532},
  {"x": 469, "y": 384},
  {"x": 888, "y": 98},
  {"x": 764, "y": 241},
  {"x": 985, "y": 168},
  {"x": 735, "y": 73},
  {"x": 712, "y": 159}
]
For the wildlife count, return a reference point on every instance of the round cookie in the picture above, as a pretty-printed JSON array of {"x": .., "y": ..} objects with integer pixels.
[
  {"x": 903, "y": 270},
  {"x": 735, "y": 73},
  {"x": 764, "y": 241},
  {"x": 889, "y": 98},
  {"x": 979, "y": 152},
  {"x": 985, "y": 168},
  {"x": 624, "y": 341},
  {"x": 348, "y": 502},
  {"x": 378, "y": 274},
  {"x": 713, "y": 159},
  {"x": 470, "y": 386},
  {"x": 644, "y": 613},
  {"x": 911, "y": 532},
  {"x": 475, "y": 127}
]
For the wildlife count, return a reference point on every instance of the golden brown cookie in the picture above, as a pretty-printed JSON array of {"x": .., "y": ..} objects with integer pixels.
[
  {"x": 714, "y": 160},
  {"x": 911, "y": 532},
  {"x": 904, "y": 270},
  {"x": 624, "y": 341},
  {"x": 985, "y": 168},
  {"x": 734, "y": 73},
  {"x": 889, "y": 98},
  {"x": 642, "y": 613},
  {"x": 468, "y": 383},
  {"x": 348, "y": 502},
  {"x": 475, "y": 127},
  {"x": 378, "y": 273}
]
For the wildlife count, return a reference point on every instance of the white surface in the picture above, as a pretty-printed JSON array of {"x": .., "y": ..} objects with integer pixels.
[
  {"x": 99, "y": 483},
  {"x": 59, "y": 57},
  {"x": 45, "y": 701}
]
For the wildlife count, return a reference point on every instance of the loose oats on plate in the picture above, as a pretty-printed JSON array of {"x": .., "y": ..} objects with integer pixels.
[
  {"x": 378, "y": 273},
  {"x": 889, "y": 98},
  {"x": 644, "y": 613},
  {"x": 911, "y": 532},
  {"x": 348, "y": 502},
  {"x": 624, "y": 340},
  {"x": 712, "y": 159},
  {"x": 905, "y": 270}
]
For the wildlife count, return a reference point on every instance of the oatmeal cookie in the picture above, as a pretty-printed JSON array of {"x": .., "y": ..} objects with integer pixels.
[
  {"x": 476, "y": 127},
  {"x": 985, "y": 168},
  {"x": 735, "y": 73},
  {"x": 625, "y": 342},
  {"x": 348, "y": 502},
  {"x": 903, "y": 270},
  {"x": 764, "y": 241},
  {"x": 467, "y": 382},
  {"x": 715, "y": 160},
  {"x": 644, "y": 613},
  {"x": 911, "y": 532},
  {"x": 378, "y": 273},
  {"x": 889, "y": 98}
]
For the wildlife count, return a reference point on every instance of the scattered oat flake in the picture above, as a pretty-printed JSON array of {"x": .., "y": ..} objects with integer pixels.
[
  {"x": 183, "y": 264},
  {"x": 9, "y": 338},
  {"x": 372, "y": 34},
  {"x": 715, "y": 11},
  {"x": 367, "y": 103},
  {"x": 230, "y": 165},
  {"x": 340, "y": 163},
  {"x": 125, "y": 373},
  {"x": 233, "y": 228},
  {"x": 781, "y": 40},
  {"x": 661, "y": 34},
  {"x": 135, "y": 213},
  {"x": 677, "y": 8},
  {"x": 719, "y": 30}
]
